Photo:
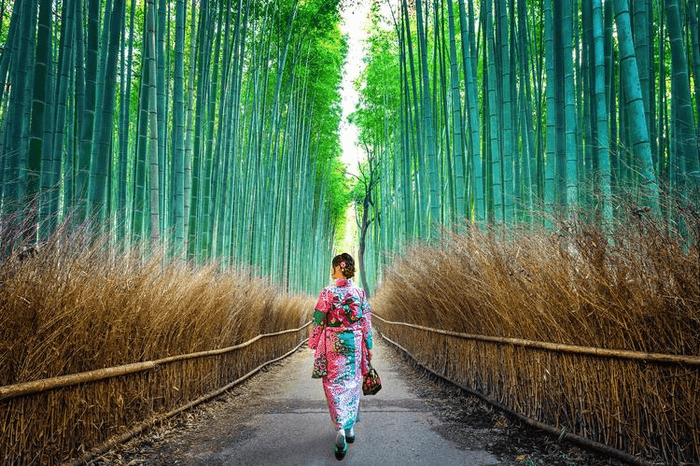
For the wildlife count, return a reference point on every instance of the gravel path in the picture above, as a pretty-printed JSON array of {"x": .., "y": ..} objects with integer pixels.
[{"x": 280, "y": 417}]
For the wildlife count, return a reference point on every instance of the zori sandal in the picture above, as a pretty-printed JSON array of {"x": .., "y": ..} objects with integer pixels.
[
  {"x": 341, "y": 447},
  {"x": 350, "y": 435}
]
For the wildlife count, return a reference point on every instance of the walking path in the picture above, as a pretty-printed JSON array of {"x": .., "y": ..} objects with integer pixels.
[
  {"x": 396, "y": 427},
  {"x": 280, "y": 417}
]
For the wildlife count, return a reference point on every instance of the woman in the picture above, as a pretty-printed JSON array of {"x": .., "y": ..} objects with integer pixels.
[{"x": 344, "y": 311}]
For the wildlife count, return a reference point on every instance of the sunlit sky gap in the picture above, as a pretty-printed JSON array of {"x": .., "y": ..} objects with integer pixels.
[{"x": 354, "y": 20}]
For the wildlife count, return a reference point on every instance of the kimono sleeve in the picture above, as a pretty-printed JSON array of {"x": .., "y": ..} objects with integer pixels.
[{"x": 322, "y": 306}]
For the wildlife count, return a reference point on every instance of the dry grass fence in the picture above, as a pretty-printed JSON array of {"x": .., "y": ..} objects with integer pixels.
[
  {"x": 124, "y": 338},
  {"x": 55, "y": 420},
  {"x": 561, "y": 329}
]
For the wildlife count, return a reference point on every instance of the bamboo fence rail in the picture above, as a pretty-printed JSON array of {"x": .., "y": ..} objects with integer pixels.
[
  {"x": 55, "y": 420},
  {"x": 640, "y": 407}
]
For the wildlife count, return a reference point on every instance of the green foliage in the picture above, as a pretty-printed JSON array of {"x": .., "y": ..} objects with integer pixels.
[
  {"x": 529, "y": 122},
  {"x": 340, "y": 189},
  {"x": 380, "y": 89},
  {"x": 261, "y": 112},
  {"x": 326, "y": 54}
]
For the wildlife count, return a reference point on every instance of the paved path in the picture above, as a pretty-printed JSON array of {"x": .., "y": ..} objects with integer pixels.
[
  {"x": 291, "y": 425},
  {"x": 279, "y": 417}
]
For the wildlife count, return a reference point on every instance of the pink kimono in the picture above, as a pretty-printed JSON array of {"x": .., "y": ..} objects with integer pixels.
[{"x": 348, "y": 339}]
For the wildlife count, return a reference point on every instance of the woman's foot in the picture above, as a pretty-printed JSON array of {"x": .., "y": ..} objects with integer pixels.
[
  {"x": 350, "y": 434},
  {"x": 341, "y": 447}
]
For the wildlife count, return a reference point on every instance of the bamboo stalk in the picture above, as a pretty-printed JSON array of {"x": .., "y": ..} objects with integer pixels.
[
  {"x": 585, "y": 350},
  {"x": 38, "y": 386}
]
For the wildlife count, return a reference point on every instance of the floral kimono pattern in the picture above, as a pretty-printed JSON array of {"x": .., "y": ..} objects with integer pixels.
[{"x": 348, "y": 338}]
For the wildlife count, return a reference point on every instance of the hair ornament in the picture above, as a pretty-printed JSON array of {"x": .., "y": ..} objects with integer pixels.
[{"x": 342, "y": 265}]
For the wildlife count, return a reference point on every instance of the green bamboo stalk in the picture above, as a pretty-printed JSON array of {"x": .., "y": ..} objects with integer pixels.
[
  {"x": 602, "y": 155},
  {"x": 154, "y": 174},
  {"x": 685, "y": 135},
  {"x": 550, "y": 149},
  {"x": 456, "y": 118},
  {"x": 634, "y": 104},
  {"x": 178, "y": 133},
  {"x": 63, "y": 82},
  {"x": 86, "y": 171},
  {"x": 434, "y": 193},
  {"x": 495, "y": 124},
  {"x": 477, "y": 176},
  {"x": 101, "y": 154},
  {"x": 38, "y": 106},
  {"x": 571, "y": 147}
]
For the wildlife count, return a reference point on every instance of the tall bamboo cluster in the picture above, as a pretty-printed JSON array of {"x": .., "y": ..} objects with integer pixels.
[
  {"x": 210, "y": 125},
  {"x": 492, "y": 109}
]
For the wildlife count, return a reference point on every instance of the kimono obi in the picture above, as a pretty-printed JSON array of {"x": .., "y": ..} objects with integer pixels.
[
  {"x": 356, "y": 327},
  {"x": 342, "y": 305}
]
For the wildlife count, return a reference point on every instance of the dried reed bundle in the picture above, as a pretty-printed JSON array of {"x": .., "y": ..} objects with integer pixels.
[
  {"x": 639, "y": 292},
  {"x": 80, "y": 304}
]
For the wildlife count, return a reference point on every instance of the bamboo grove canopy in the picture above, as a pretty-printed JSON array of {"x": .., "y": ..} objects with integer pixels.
[
  {"x": 512, "y": 112},
  {"x": 207, "y": 125}
]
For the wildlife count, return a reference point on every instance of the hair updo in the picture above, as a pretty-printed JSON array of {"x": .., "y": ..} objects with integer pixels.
[{"x": 348, "y": 267}]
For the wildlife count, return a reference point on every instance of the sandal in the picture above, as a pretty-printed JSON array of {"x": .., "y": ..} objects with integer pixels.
[
  {"x": 341, "y": 447},
  {"x": 350, "y": 435}
]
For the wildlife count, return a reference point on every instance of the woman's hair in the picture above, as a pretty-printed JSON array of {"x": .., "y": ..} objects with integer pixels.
[{"x": 348, "y": 264}]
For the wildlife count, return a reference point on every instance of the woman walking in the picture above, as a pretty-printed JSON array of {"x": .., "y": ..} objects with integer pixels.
[{"x": 344, "y": 313}]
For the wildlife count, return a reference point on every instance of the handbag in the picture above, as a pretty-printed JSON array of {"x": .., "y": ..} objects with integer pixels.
[
  {"x": 320, "y": 360},
  {"x": 371, "y": 383}
]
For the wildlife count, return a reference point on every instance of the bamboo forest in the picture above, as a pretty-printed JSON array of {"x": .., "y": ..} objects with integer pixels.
[
  {"x": 523, "y": 169},
  {"x": 212, "y": 125}
]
